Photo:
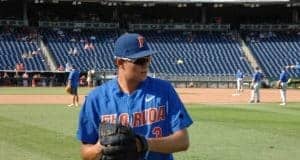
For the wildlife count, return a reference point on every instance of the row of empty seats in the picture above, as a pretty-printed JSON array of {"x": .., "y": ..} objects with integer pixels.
[
  {"x": 98, "y": 55},
  {"x": 189, "y": 53},
  {"x": 275, "y": 50},
  {"x": 14, "y": 45},
  {"x": 196, "y": 53}
]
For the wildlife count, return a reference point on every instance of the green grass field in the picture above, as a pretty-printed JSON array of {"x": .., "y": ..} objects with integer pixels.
[{"x": 219, "y": 132}]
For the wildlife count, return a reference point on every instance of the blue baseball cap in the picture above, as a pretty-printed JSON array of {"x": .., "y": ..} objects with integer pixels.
[{"x": 132, "y": 46}]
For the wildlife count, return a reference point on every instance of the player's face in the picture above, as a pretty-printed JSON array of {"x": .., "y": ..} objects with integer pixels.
[{"x": 136, "y": 70}]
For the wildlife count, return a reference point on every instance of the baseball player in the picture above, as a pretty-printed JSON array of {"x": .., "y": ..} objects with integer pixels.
[
  {"x": 73, "y": 81},
  {"x": 239, "y": 81},
  {"x": 255, "y": 85},
  {"x": 283, "y": 79},
  {"x": 150, "y": 106}
]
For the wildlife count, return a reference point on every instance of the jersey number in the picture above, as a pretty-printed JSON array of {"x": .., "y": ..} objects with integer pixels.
[{"x": 157, "y": 131}]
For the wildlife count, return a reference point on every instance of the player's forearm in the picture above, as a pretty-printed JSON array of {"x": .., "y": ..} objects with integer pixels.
[
  {"x": 179, "y": 141},
  {"x": 90, "y": 151}
]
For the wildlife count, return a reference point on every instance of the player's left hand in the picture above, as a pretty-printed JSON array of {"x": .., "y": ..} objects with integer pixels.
[
  {"x": 121, "y": 143},
  {"x": 68, "y": 89},
  {"x": 278, "y": 85}
]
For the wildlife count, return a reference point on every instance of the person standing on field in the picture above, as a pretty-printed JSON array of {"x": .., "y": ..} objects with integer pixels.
[
  {"x": 255, "y": 86},
  {"x": 150, "y": 106},
  {"x": 73, "y": 82},
  {"x": 239, "y": 81},
  {"x": 283, "y": 79}
]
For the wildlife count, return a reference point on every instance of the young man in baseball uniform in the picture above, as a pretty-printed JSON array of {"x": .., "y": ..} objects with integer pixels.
[
  {"x": 150, "y": 106},
  {"x": 283, "y": 79},
  {"x": 73, "y": 82},
  {"x": 239, "y": 82},
  {"x": 255, "y": 85}
]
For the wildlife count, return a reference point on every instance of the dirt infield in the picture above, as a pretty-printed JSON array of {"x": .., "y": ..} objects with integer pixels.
[{"x": 189, "y": 96}]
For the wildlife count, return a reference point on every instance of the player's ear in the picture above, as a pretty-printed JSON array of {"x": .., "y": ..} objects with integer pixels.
[{"x": 118, "y": 62}]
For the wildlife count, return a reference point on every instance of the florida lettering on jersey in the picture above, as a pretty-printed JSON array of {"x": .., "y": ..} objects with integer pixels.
[{"x": 138, "y": 119}]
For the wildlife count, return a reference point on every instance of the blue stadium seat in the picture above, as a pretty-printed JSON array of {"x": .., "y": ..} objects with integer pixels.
[
  {"x": 275, "y": 51},
  {"x": 12, "y": 47}
]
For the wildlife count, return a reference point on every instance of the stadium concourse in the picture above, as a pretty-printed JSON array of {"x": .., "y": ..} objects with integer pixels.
[{"x": 188, "y": 95}]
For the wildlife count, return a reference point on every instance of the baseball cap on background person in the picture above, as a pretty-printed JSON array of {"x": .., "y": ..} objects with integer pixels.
[{"x": 132, "y": 46}]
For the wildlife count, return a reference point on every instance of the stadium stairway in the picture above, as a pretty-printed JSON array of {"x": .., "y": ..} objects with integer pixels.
[
  {"x": 248, "y": 53},
  {"x": 48, "y": 56}
]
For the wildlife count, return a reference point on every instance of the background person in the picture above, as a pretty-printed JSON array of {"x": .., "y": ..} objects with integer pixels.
[
  {"x": 283, "y": 79},
  {"x": 89, "y": 78},
  {"x": 73, "y": 82},
  {"x": 256, "y": 85},
  {"x": 239, "y": 81},
  {"x": 25, "y": 77}
]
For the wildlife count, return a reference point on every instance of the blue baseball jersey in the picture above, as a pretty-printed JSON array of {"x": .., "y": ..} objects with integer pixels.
[
  {"x": 239, "y": 74},
  {"x": 153, "y": 110},
  {"x": 284, "y": 77},
  {"x": 74, "y": 77},
  {"x": 257, "y": 77}
]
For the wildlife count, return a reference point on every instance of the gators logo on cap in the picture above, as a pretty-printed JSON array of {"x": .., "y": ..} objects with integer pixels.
[{"x": 141, "y": 41}]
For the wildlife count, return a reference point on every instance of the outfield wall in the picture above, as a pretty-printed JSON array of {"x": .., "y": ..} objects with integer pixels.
[{"x": 56, "y": 79}]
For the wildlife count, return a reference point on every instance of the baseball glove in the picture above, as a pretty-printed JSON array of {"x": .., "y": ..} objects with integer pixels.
[
  {"x": 120, "y": 142},
  {"x": 68, "y": 89},
  {"x": 278, "y": 85}
]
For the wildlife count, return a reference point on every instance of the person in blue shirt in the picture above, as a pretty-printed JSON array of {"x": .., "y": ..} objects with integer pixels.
[
  {"x": 283, "y": 79},
  {"x": 239, "y": 81},
  {"x": 73, "y": 82},
  {"x": 256, "y": 85},
  {"x": 150, "y": 106}
]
